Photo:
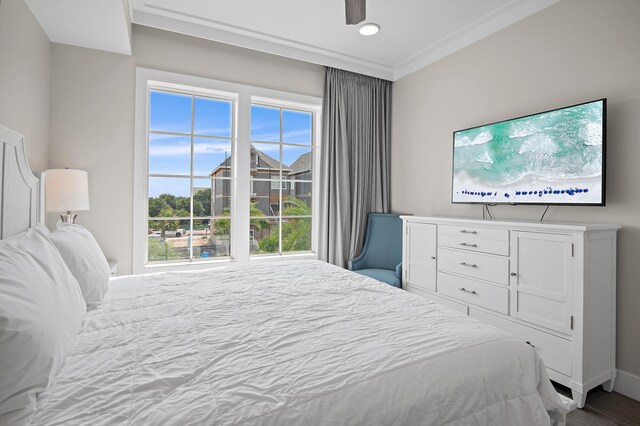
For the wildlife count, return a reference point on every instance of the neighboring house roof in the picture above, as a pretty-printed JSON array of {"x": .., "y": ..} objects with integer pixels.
[
  {"x": 264, "y": 162},
  {"x": 302, "y": 164},
  {"x": 223, "y": 165},
  {"x": 271, "y": 162}
]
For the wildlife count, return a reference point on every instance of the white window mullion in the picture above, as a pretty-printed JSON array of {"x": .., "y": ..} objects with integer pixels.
[
  {"x": 240, "y": 222},
  {"x": 190, "y": 237},
  {"x": 315, "y": 186},
  {"x": 281, "y": 205}
]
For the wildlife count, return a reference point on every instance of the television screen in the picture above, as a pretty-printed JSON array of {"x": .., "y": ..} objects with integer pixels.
[{"x": 553, "y": 157}]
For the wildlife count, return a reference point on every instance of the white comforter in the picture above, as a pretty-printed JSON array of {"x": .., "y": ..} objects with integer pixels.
[{"x": 297, "y": 343}]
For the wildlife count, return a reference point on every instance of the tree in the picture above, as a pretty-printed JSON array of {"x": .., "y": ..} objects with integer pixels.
[
  {"x": 203, "y": 198},
  {"x": 179, "y": 206},
  {"x": 164, "y": 225},
  {"x": 258, "y": 224},
  {"x": 296, "y": 234},
  {"x": 223, "y": 225},
  {"x": 169, "y": 199},
  {"x": 296, "y": 231},
  {"x": 182, "y": 204},
  {"x": 156, "y": 205},
  {"x": 269, "y": 244},
  {"x": 198, "y": 210}
]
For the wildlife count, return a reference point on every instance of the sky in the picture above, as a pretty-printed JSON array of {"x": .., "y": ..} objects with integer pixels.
[{"x": 170, "y": 154}]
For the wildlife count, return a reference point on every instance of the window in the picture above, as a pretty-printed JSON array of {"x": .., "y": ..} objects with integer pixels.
[
  {"x": 282, "y": 149},
  {"x": 194, "y": 202},
  {"x": 190, "y": 138},
  {"x": 277, "y": 184}
]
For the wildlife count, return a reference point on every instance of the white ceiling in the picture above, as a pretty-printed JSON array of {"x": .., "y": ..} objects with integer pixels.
[
  {"x": 102, "y": 25},
  {"x": 413, "y": 33}
]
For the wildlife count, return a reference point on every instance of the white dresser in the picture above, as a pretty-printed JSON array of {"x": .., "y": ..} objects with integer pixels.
[{"x": 553, "y": 285}]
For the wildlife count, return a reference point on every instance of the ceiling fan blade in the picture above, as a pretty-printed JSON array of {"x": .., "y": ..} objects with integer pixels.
[{"x": 356, "y": 11}]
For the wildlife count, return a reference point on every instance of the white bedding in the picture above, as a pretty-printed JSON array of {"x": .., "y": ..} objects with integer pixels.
[{"x": 297, "y": 343}]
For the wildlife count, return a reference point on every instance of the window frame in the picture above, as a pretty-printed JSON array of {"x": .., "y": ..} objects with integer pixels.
[
  {"x": 283, "y": 182},
  {"x": 274, "y": 184},
  {"x": 244, "y": 96},
  {"x": 191, "y": 176}
]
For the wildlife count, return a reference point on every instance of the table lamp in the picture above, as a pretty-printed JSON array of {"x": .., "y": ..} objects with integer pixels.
[{"x": 67, "y": 190}]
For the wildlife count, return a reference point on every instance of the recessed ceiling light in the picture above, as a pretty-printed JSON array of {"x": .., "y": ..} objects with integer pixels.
[{"x": 369, "y": 29}]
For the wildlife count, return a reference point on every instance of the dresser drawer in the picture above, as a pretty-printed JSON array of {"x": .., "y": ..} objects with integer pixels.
[
  {"x": 474, "y": 265},
  {"x": 554, "y": 351},
  {"x": 478, "y": 293},
  {"x": 475, "y": 232},
  {"x": 471, "y": 243},
  {"x": 459, "y": 307}
]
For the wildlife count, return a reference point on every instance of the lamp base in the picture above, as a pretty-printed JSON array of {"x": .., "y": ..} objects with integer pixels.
[{"x": 69, "y": 217}]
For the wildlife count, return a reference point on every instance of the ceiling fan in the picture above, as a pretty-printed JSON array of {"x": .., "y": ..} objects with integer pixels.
[{"x": 356, "y": 11}]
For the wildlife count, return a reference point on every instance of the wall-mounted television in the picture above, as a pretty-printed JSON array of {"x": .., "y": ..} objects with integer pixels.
[{"x": 554, "y": 157}]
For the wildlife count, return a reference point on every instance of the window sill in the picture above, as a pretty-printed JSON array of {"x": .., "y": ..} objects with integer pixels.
[
  {"x": 280, "y": 257},
  {"x": 208, "y": 264}
]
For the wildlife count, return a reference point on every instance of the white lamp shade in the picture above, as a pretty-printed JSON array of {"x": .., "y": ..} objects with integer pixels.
[{"x": 66, "y": 190}]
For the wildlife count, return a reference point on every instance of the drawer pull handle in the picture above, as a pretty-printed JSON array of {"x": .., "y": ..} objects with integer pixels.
[
  {"x": 470, "y": 265},
  {"x": 464, "y": 231},
  {"x": 529, "y": 343},
  {"x": 469, "y": 245},
  {"x": 513, "y": 274},
  {"x": 467, "y": 291},
  {"x": 433, "y": 258}
]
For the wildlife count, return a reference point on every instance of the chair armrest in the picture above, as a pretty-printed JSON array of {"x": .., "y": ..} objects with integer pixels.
[
  {"x": 357, "y": 262},
  {"x": 399, "y": 271}
]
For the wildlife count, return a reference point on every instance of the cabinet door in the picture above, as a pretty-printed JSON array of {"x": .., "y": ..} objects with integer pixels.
[
  {"x": 541, "y": 279},
  {"x": 421, "y": 255}
]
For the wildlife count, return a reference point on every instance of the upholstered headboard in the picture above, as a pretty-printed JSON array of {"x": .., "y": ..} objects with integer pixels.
[{"x": 21, "y": 198}]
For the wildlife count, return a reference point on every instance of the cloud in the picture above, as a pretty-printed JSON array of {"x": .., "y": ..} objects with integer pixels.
[
  {"x": 184, "y": 148},
  {"x": 214, "y": 131},
  {"x": 264, "y": 147},
  {"x": 174, "y": 146},
  {"x": 289, "y": 136}
]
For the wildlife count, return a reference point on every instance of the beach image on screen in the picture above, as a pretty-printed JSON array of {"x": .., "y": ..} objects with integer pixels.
[{"x": 554, "y": 157}]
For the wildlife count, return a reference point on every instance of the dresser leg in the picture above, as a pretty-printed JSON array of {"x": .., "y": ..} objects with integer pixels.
[
  {"x": 579, "y": 398},
  {"x": 608, "y": 385}
]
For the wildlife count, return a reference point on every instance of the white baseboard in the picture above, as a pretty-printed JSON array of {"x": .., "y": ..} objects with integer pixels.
[{"x": 628, "y": 384}]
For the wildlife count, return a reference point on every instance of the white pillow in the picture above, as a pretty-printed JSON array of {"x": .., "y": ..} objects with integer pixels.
[
  {"x": 85, "y": 259},
  {"x": 41, "y": 312}
]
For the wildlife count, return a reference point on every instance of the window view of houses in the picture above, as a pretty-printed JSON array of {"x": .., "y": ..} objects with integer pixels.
[{"x": 190, "y": 186}]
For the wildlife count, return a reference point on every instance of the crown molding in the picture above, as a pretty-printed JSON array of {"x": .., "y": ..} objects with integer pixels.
[
  {"x": 242, "y": 37},
  {"x": 150, "y": 15},
  {"x": 509, "y": 14}
]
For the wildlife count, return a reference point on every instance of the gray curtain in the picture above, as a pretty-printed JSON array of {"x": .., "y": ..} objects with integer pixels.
[{"x": 354, "y": 162}]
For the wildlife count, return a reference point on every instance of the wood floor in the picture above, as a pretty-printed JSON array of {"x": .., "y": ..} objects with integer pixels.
[{"x": 603, "y": 408}]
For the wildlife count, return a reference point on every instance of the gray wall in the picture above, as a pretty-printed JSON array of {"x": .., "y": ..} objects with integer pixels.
[
  {"x": 92, "y": 113},
  {"x": 25, "y": 70},
  {"x": 574, "y": 51}
]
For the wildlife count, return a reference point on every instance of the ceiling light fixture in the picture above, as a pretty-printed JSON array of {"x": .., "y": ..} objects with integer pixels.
[{"x": 369, "y": 29}]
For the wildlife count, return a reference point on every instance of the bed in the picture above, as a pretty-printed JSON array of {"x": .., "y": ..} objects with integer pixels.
[{"x": 288, "y": 343}]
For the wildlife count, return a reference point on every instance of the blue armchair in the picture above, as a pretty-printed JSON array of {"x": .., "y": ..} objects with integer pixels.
[{"x": 381, "y": 256}]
